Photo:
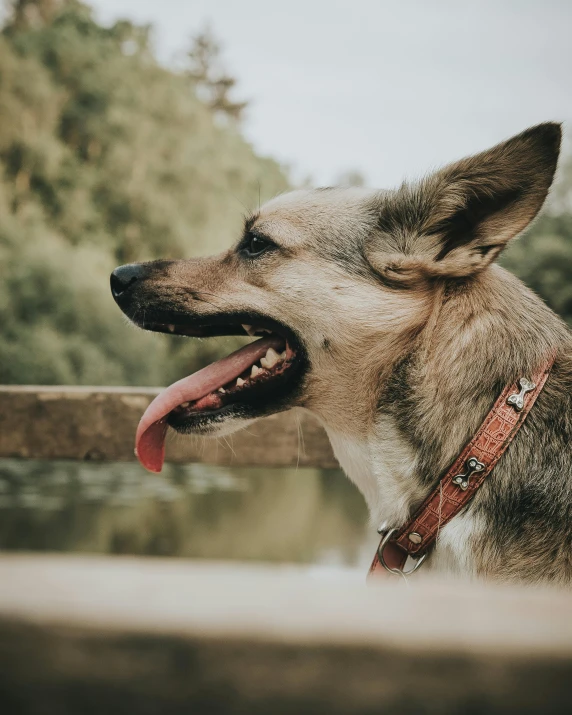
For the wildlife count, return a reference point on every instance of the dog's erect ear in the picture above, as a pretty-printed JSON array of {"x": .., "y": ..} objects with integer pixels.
[{"x": 456, "y": 221}]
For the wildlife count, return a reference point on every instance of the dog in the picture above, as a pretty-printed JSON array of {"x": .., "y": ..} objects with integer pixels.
[{"x": 384, "y": 314}]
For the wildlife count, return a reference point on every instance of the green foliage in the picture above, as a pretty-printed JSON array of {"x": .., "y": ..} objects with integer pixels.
[
  {"x": 542, "y": 258},
  {"x": 105, "y": 158}
]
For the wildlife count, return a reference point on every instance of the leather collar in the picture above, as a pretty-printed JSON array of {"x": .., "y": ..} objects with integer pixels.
[{"x": 459, "y": 484}]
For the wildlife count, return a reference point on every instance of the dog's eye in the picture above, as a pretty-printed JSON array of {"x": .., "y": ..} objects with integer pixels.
[{"x": 255, "y": 245}]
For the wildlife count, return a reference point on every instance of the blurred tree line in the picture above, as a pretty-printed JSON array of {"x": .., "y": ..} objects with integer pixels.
[
  {"x": 542, "y": 257},
  {"x": 105, "y": 158}
]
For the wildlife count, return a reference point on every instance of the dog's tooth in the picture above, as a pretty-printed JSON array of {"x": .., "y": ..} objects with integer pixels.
[
  {"x": 255, "y": 370},
  {"x": 249, "y": 330},
  {"x": 283, "y": 355},
  {"x": 171, "y": 328},
  {"x": 239, "y": 382},
  {"x": 184, "y": 404},
  {"x": 221, "y": 390},
  {"x": 270, "y": 359}
]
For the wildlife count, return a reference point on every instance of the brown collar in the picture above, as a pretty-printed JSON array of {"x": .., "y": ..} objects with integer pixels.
[{"x": 461, "y": 480}]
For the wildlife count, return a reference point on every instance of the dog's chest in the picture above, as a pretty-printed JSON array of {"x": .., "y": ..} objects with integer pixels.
[
  {"x": 354, "y": 458},
  {"x": 383, "y": 469}
]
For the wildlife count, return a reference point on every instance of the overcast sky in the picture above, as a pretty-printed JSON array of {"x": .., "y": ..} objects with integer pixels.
[{"x": 388, "y": 88}]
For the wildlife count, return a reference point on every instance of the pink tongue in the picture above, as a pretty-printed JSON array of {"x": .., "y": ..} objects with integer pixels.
[{"x": 152, "y": 429}]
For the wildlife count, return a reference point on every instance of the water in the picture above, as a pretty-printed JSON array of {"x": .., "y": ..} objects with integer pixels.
[{"x": 303, "y": 516}]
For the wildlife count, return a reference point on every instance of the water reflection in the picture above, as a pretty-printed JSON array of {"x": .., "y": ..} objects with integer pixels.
[{"x": 198, "y": 511}]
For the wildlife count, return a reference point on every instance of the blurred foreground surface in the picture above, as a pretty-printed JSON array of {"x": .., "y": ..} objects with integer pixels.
[
  {"x": 112, "y": 635},
  {"x": 305, "y": 516}
]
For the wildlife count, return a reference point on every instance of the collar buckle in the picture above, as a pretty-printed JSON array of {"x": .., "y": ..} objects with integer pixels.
[{"x": 400, "y": 572}]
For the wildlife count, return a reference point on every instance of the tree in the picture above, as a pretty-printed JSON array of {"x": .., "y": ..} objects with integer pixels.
[
  {"x": 542, "y": 258},
  {"x": 32, "y": 13},
  {"x": 352, "y": 177},
  {"x": 212, "y": 84},
  {"x": 105, "y": 158}
]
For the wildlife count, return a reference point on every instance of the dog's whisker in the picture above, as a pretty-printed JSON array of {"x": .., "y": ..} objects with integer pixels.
[
  {"x": 244, "y": 206},
  {"x": 300, "y": 439}
]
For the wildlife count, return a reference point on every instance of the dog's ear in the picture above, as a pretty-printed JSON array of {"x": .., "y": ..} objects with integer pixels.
[{"x": 456, "y": 221}]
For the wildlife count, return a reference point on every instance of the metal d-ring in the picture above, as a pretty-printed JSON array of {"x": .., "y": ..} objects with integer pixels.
[{"x": 380, "y": 549}]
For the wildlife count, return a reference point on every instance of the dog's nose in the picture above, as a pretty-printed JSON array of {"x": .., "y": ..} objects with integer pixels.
[{"x": 124, "y": 278}]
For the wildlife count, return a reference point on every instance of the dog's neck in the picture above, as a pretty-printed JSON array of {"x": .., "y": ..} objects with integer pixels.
[
  {"x": 481, "y": 336},
  {"x": 383, "y": 467}
]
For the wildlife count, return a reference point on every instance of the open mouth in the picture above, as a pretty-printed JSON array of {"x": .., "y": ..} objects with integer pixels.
[{"x": 261, "y": 378}]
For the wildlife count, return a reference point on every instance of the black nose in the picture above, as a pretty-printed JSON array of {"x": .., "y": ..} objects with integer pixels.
[{"x": 124, "y": 278}]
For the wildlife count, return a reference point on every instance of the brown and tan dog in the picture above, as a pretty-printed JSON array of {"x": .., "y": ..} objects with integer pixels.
[{"x": 385, "y": 316}]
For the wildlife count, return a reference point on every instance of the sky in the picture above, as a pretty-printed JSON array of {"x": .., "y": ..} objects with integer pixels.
[{"x": 390, "y": 88}]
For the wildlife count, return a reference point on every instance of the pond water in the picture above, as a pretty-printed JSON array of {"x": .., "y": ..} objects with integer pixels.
[{"x": 304, "y": 516}]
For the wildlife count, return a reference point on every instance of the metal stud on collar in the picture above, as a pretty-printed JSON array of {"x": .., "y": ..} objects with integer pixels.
[
  {"x": 472, "y": 466},
  {"x": 516, "y": 400}
]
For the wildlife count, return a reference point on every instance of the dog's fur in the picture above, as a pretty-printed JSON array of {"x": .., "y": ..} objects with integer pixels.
[{"x": 411, "y": 333}]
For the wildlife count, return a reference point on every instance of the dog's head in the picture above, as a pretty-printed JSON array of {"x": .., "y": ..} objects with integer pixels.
[{"x": 337, "y": 282}]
